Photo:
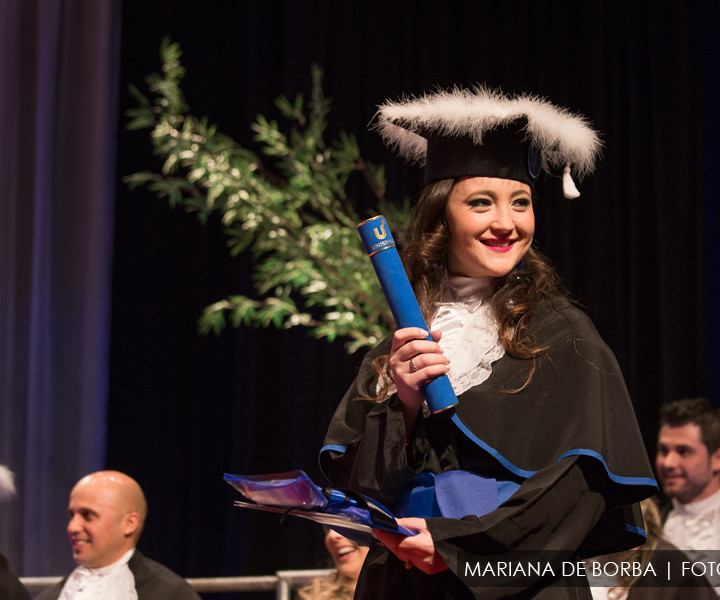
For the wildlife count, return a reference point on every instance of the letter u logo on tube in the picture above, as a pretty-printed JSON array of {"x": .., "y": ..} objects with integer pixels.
[{"x": 382, "y": 234}]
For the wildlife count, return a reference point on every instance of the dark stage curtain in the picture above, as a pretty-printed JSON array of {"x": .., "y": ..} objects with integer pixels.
[{"x": 58, "y": 106}]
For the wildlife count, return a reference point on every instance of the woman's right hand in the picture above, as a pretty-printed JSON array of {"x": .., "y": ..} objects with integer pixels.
[{"x": 413, "y": 361}]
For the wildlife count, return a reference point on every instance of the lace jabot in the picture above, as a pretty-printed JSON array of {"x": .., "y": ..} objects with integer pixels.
[
  {"x": 114, "y": 582},
  {"x": 470, "y": 337}
]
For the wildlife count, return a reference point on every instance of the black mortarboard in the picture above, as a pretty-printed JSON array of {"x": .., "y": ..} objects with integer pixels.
[{"x": 486, "y": 133}]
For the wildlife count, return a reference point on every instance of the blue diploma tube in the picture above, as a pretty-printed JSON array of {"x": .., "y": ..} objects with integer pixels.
[{"x": 380, "y": 246}]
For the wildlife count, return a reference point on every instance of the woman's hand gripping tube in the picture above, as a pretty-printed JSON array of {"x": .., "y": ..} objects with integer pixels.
[{"x": 380, "y": 246}]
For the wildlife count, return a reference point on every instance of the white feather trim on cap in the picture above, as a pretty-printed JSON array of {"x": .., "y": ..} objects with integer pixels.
[
  {"x": 561, "y": 136},
  {"x": 7, "y": 483}
]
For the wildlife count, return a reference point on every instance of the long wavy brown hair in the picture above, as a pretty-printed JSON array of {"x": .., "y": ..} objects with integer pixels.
[{"x": 513, "y": 298}]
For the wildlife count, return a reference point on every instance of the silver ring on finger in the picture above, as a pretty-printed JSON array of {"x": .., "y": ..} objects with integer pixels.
[{"x": 413, "y": 368}]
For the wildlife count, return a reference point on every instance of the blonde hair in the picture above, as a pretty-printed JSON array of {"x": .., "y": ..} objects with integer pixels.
[
  {"x": 641, "y": 554},
  {"x": 332, "y": 587}
]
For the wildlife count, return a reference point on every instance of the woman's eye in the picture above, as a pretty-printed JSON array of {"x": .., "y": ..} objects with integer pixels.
[
  {"x": 522, "y": 202},
  {"x": 479, "y": 203}
]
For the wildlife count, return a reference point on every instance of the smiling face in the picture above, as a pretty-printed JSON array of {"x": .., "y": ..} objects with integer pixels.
[
  {"x": 105, "y": 518},
  {"x": 491, "y": 224},
  {"x": 686, "y": 469},
  {"x": 346, "y": 554}
]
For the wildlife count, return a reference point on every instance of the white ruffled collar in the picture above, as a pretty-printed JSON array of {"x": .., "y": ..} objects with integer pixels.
[
  {"x": 470, "y": 337},
  {"x": 112, "y": 582}
]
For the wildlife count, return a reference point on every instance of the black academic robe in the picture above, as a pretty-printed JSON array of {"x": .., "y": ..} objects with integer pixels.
[
  {"x": 10, "y": 586},
  {"x": 153, "y": 581},
  {"x": 569, "y": 439}
]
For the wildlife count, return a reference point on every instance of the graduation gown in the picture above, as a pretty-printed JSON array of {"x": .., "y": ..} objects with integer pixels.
[{"x": 566, "y": 446}]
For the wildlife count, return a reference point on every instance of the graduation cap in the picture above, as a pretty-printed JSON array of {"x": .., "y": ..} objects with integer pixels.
[{"x": 485, "y": 133}]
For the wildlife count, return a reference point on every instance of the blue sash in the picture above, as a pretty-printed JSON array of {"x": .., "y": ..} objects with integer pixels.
[{"x": 453, "y": 494}]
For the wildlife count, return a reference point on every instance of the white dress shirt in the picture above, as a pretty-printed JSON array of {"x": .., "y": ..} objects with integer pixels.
[
  {"x": 113, "y": 582},
  {"x": 696, "y": 526}
]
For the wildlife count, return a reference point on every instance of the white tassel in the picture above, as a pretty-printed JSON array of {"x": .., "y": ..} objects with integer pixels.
[{"x": 569, "y": 189}]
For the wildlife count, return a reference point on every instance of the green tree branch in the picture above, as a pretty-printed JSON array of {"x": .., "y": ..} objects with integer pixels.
[{"x": 292, "y": 213}]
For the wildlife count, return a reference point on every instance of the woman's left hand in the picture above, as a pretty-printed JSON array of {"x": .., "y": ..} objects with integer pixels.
[{"x": 415, "y": 550}]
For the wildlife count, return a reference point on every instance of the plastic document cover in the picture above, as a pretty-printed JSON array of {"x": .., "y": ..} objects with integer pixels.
[{"x": 294, "y": 493}]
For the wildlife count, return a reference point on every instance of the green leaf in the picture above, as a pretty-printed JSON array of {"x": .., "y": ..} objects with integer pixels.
[{"x": 293, "y": 215}]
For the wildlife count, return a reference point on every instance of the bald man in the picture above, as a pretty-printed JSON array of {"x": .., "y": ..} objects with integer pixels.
[{"x": 107, "y": 512}]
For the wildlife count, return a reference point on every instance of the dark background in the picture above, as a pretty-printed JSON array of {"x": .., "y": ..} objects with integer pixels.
[{"x": 639, "y": 249}]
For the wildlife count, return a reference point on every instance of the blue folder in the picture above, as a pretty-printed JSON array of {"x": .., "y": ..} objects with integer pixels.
[{"x": 294, "y": 493}]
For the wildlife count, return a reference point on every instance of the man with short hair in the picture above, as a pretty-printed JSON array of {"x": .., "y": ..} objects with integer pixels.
[
  {"x": 688, "y": 466},
  {"x": 107, "y": 512}
]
